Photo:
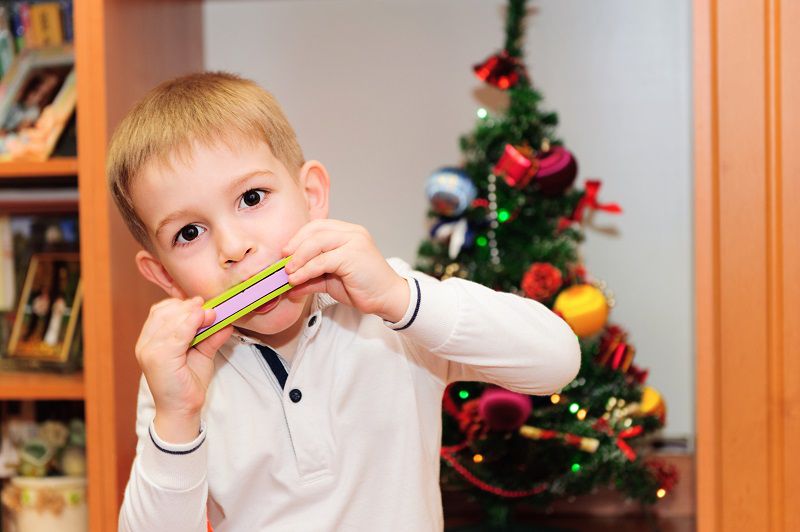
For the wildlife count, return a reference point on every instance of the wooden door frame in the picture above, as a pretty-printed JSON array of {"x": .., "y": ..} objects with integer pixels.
[{"x": 746, "y": 58}]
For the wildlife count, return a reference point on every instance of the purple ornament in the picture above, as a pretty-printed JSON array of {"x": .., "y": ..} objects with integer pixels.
[
  {"x": 557, "y": 171},
  {"x": 504, "y": 410}
]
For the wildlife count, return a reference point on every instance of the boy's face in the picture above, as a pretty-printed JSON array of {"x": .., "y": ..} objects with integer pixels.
[{"x": 221, "y": 215}]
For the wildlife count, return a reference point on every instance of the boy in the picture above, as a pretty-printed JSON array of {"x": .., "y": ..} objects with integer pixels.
[{"x": 319, "y": 411}]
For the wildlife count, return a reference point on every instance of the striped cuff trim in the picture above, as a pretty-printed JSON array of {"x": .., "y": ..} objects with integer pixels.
[
  {"x": 416, "y": 307},
  {"x": 168, "y": 451}
]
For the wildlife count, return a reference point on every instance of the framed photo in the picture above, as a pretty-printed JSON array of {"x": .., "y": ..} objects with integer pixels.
[
  {"x": 37, "y": 99},
  {"x": 49, "y": 306}
]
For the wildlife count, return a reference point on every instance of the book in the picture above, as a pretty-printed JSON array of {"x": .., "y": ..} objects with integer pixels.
[
  {"x": 39, "y": 200},
  {"x": 6, "y": 40},
  {"x": 45, "y": 25},
  {"x": 66, "y": 20},
  {"x": 8, "y": 292}
]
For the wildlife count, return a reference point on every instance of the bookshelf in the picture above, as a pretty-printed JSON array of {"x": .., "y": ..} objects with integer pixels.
[
  {"x": 55, "y": 167},
  {"x": 40, "y": 386},
  {"x": 122, "y": 48}
]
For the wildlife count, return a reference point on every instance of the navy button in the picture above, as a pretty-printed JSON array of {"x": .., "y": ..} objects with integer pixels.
[
  {"x": 312, "y": 321},
  {"x": 295, "y": 395}
]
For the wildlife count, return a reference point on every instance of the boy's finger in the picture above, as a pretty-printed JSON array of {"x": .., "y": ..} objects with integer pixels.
[
  {"x": 211, "y": 345},
  {"x": 318, "y": 266},
  {"x": 209, "y": 316},
  {"x": 165, "y": 314},
  {"x": 311, "y": 228},
  {"x": 185, "y": 330},
  {"x": 314, "y": 246}
]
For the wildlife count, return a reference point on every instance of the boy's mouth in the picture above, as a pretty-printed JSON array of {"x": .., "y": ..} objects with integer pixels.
[{"x": 266, "y": 307}]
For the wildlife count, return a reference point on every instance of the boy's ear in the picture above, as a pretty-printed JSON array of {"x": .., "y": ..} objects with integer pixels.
[
  {"x": 315, "y": 182},
  {"x": 152, "y": 270}
]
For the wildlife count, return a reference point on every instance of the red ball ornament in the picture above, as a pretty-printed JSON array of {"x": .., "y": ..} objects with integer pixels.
[
  {"x": 499, "y": 70},
  {"x": 517, "y": 165},
  {"x": 504, "y": 410},
  {"x": 541, "y": 281},
  {"x": 557, "y": 171}
]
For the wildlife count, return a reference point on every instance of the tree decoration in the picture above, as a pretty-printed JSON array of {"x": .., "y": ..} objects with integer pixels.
[
  {"x": 615, "y": 352},
  {"x": 510, "y": 217},
  {"x": 589, "y": 445},
  {"x": 589, "y": 201},
  {"x": 450, "y": 191},
  {"x": 557, "y": 171},
  {"x": 541, "y": 281},
  {"x": 583, "y": 307},
  {"x": 504, "y": 410},
  {"x": 517, "y": 165},
  {"x": 500, "y": 70},
  {"x": 652, "y": 404}
]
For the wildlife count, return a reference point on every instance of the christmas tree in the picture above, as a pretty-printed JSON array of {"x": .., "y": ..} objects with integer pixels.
[{"x": 511, "y": 218}]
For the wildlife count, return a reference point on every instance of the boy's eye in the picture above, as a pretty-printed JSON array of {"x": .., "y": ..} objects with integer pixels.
[
  {"x": 252, "y": 198},
  {"x": 188, "y": 233}
]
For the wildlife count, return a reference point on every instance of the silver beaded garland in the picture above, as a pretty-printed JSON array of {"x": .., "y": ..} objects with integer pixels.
[{"x": 494, "y": 254}]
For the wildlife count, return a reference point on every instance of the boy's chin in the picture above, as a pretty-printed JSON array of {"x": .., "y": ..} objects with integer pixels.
[{"x": 277, "y": 320}]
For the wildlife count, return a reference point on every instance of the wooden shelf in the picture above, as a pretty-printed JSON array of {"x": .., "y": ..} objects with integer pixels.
[
  {"x": 31, "y": 385},
  {"x": 55, "y": 167}
]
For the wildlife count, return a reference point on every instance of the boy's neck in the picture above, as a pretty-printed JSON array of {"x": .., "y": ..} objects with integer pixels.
[{"x": 285, "y": 342}]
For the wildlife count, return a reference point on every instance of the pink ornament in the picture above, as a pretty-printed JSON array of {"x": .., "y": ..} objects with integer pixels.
[
  {"x": 503, "y": 410},
  {"x": 557, "y": 171}
]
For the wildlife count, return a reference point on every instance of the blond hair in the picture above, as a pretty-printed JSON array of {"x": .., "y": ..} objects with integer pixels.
[{"x": 206, "y": 107}]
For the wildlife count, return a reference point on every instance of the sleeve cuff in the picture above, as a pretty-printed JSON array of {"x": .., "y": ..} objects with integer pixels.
[
  {"x": 172, "y": 466},
  {"x": 432, "y": 312},
  {"x": 413, "y": 307}
]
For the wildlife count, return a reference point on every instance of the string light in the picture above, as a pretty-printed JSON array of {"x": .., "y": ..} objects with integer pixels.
[
  {"x": 463, "y": 394},
  {"x": 482, "y": 241},
  {"x": 574, "y": 407},
  {"x": 478, "y": 458},
  {"x": 661, "y": 493},
  {"x": 576, "y": 468},
  {"x": 503, "y": 215},
  {"x": 555, "y": 398},
  {"x": 482, "y": 113},
  {"x": 581, "y": 414}
]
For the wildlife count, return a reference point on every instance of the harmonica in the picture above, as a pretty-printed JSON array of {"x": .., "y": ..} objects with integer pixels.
[{"x": 246, "y": 296}]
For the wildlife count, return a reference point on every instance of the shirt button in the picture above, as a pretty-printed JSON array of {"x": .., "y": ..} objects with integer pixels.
[
  {"x": 295, "y": 395},
  {"x": 312, "y": 321}
]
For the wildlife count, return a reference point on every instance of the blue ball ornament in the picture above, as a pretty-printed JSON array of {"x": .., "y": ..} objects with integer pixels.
[{"x": 450, "y": 191}]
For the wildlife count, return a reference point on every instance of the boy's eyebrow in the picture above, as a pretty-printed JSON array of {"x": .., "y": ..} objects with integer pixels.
[
  {"x": 171, "y": 218},
  {"x": 236, "y": 182}
]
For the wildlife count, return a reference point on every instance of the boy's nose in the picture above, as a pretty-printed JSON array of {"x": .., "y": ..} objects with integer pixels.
[
  {"x": 233, "y": 249},
  {"x": 238, "y": 258}
]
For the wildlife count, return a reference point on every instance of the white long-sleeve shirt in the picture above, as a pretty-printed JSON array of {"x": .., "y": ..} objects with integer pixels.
[{"x": 351, "y": 441}]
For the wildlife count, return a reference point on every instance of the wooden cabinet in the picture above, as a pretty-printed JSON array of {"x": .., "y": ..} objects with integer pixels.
[{"x": 122, "y": 49}]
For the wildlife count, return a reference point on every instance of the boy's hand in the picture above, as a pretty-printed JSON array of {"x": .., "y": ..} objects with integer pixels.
[
  {"x": 341, "y": 259},
  {"x": 178, "y": 375}
]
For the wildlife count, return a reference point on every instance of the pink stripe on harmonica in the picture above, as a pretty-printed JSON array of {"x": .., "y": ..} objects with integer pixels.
[{"x": 248, "y": 296}]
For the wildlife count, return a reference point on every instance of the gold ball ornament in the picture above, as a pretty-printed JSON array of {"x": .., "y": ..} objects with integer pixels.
[
  {"x": 584, "y": 308},
  {"x": 652, "y": 404}
]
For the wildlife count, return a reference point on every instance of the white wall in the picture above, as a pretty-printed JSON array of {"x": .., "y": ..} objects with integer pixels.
[{"x": 380, "y": 91}]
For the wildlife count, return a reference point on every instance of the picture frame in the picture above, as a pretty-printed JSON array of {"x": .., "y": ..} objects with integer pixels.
[
  {"x": 37, "y": 99},
  {"x": 47, "y": 324}
]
